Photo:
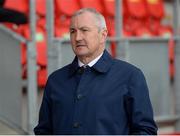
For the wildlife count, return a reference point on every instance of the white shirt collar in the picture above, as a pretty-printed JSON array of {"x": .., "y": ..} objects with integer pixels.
[{"x": 90, "y": 64}]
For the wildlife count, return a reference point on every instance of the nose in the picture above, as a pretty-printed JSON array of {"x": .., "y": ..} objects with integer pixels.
[{"x": 78, "y": 36}]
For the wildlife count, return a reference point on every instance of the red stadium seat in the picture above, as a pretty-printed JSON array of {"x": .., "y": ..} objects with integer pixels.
[
  {"x": 109, "y": 6},
  {"x": 137, "y": 16},
  {"x": 19, "y": 5},
  {"x": 64, "y": 9},
  {"x": 61, "y": 31},
  {"x": 136, "y": 8},
  {"x": 109, "y": 9},
  {"x": 156, "y": 13},
  {"x": 41, "y": 22},
  {"x": 24, "y": 60},
  {"x": 155, "y": 8},
  {"x": 110, "y": 25},
  {"x": 133, "y": 24},
  {"x": 41, "y": 47},
  {"x": 41, "y": 7},
  {"x": 41, "y": 50},
  {"x": 23, "y": 54},
  {"x": 92, "y": 4},
  {"x": 171, "y": 49},
  {"x": 143, "y": 32},
  {"x": 42, "y": 77},
  {"x": 11, "y": 26},
  {"x": 165, "y": 31}
]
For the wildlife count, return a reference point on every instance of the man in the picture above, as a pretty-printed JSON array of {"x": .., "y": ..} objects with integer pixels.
[{"x": 95, "y": 94}]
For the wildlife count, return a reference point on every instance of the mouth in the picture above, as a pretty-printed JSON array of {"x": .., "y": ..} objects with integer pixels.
[{"x": 80, "y": 45}]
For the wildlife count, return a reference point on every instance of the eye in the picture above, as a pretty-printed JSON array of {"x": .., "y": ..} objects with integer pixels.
[
  {"x": 84, "y": 30},
  {"x": 72, "y": 31}
]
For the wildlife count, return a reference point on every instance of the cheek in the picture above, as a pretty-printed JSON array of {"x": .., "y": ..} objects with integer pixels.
[
  {"x": 72, "y": 41},
  {"x": 94, "y": 39}
]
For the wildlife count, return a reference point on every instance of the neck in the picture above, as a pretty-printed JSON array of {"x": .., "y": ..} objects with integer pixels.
[{"x": 87, "y": 59}]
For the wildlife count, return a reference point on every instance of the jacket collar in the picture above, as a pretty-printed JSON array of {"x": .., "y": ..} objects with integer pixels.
[
  {"x": 73, "y": 66},
  {"x": 102, "y": 65}
]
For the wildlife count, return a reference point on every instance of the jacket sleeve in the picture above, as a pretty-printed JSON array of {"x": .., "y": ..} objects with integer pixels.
[
  {"x": 138, "y": 106},
  {"x": 45, "y": 123}
]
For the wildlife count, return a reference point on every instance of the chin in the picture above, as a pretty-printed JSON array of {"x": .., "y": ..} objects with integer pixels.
[{"x": 81, "y": 53}]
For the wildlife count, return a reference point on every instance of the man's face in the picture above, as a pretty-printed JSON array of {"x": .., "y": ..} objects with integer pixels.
[{"x": 86, "y": 39}]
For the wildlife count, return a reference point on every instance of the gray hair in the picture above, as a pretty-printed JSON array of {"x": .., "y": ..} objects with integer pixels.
[{"x": 99, "y": 17}]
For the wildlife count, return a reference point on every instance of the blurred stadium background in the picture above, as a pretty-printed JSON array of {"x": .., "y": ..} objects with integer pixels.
[{"x": 34, "y": 41}]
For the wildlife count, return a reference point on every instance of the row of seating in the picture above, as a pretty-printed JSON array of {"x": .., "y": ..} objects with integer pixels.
[
  {"x": 41, "y": 50},
  {"x": 24, "y": 30},
  {"x": 140, "y": 18}
]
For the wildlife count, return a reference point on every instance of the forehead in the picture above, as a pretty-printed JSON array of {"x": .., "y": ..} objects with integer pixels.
[{"x": 85, "y": 19}]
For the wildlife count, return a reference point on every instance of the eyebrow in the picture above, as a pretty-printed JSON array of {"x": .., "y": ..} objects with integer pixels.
[{"x": 80, "y": 27}]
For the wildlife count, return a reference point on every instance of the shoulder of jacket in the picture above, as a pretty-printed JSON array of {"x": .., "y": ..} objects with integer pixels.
[
  {"x": 61, "y": 71},
  {"x": 124, "y": 64}
]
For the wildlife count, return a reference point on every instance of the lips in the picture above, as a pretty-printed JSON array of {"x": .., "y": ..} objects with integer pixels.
[{"x": 80, "y": 45}]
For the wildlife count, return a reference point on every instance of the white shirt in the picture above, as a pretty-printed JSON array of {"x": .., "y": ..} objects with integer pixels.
[{"x": 90, "y": 64}]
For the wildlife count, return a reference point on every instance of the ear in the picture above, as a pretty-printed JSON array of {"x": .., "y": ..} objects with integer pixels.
[{"x": 104, "y": 33}]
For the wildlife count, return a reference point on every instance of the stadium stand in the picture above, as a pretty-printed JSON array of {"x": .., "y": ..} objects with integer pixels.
[
  {"x": 137, "y": 15},
  {"x": 20, "y": 15},
  {"x": 92, "y": 4},
  {"x": 109, "y": 6},
  {"x": 171, "y": 48},
  {"x": 156, "y": 13},
  {"x": 41, "y": 49},
  {"x": 144, "y": 23},
  {"x": 7, "y": 11},
  {"x": 41, "y": 14},
  {"x": 141, "y": 18},
  {"x": 23, "y": 5},
  {"x": 63, "y": 11},
  {"x": 40, "y": 8}
]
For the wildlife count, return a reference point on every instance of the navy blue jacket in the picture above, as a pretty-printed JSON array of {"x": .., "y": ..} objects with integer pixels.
[{"x": 109, "y": 98}]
